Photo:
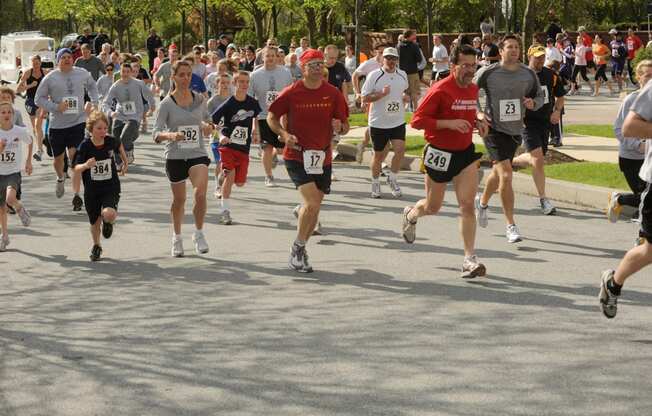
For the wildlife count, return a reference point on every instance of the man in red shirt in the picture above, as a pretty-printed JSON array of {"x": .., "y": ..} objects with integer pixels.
[
  {"x": 314, "y": 110},
  {"x": 448, "y": 115},
  {"x": 633, "y": 43},
  {"x": 587, "y": 41}
]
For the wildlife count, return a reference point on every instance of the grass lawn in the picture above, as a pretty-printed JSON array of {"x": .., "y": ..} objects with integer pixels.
[
  {"x": 414, "y": 145},
  {"x": 360, "y": 119},
  {"x": 598, "y": 130},
  {"x": 590, "y": 173}
]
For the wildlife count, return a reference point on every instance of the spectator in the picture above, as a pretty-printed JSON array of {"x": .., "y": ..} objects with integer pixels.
[
  {"x": 553, "y": 27},
  {"x": 99, "y": 41},
  {"x": 153, "y": 43},
  {"x": 409, "y": 58},
  {"x": 634, "y": 43},
  {"x": 303, "y": 46},
  {"x": 439, "y": 60},
  {"x": 349, "y": 60},
  {"x": 86, "y": 38},
  {"x": 490, "y": 52},
  {"x": 487, "y": 26},
  {"x": 90, "y": 62}
]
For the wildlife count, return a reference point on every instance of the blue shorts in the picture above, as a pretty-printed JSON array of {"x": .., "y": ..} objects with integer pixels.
[{"x": 216, "y": 152}]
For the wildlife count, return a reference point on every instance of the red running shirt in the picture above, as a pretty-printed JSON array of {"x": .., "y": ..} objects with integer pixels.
[
  {"x": 310, "y": 114},
  {"x": 447, "y": 101}
]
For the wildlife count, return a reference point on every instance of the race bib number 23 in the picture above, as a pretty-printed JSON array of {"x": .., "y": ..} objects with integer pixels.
[{"x": 510, "y": 110}]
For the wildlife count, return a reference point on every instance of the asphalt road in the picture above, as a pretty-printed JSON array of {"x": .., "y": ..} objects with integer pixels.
[{"x": 380, "y": 328}]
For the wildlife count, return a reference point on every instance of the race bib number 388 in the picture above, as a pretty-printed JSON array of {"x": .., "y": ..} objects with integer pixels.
[
  {"x": 437, "y": 159},
  {"x": 72, "y": 105}
]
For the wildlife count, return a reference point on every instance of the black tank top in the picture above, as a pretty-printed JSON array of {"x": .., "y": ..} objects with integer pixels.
[{"x": 31, "y": 92}]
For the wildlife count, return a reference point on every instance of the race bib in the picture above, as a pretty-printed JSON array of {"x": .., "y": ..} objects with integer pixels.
[
  {"x": 102, "y": 170},
  {"x": 190, "y": 137},
  {"x": 437, "y": 159},
  {"x": 270, "y": 97},
  {"x": 128, "y": 108},
  {"x": 313, "y": 161},
  {"x": 72, "y": 105},
  {"x": 546, "y": 97},
  {"x": 510, "y": 110},
  {"x": 239, "y": 135},
  {"x": 7, "y": 157},
  {"x": 392, "y": 107}
]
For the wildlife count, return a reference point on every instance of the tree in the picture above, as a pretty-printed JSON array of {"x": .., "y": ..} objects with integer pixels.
[{"x": 257, "y": 10}]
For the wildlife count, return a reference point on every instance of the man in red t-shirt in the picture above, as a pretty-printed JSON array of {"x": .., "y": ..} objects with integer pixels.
[
  {"x": 633, "y": 43},
  {"x": 448, "y": 114},
  {"x": 314, "y": 110},
  {"x": 587, "y": 41}
]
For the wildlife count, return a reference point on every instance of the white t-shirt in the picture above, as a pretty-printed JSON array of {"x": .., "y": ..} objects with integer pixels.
[
  {"x": 439, "y": 52},
  {"x": 367, "y": 66},
  {"x": 643, "y": 107},
  {"x": 580, "y": 55},
  {"x": 11, "y": 157},
  {"x": 553, "y": 54},
  {"x": 389, "y": 111}
]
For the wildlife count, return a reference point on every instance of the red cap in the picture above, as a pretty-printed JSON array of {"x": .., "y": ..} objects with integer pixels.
[
  {"x": 172, "y": 47},
  {"x": 311, "y": 55}
]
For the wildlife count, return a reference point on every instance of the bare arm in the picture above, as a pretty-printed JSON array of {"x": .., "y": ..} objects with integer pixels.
[{"x": 636, "y": 126}]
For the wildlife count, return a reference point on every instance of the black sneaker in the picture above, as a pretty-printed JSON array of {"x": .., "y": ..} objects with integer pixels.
[
  {"x": 107, "y": 229},
  {"x": 96, "y": 253},
  {"x": 77, "y": 203}
]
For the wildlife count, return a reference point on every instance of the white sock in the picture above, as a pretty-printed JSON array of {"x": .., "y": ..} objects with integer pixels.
[
  {"x": 375, "y": 180},
  {"x": 176, "y": 236},
  {"x": 225, "y": 203},
  {"x": 393, "y": 176},
  {"x": 198, "y": 231}
]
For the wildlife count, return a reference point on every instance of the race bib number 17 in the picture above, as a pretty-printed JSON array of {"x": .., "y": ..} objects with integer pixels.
[{"x": 313, "y": 161}]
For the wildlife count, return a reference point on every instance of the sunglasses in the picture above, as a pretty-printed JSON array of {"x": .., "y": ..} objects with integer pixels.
[
  {"x": 315, "y": 65},
  {"x": 391, "y": 58}
]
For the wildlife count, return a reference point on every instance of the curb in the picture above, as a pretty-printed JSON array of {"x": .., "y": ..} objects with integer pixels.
[{"x": 578, "y": 194}]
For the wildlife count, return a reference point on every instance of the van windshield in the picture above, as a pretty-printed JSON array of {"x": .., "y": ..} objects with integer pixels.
[{"x": 38, "y": 45}]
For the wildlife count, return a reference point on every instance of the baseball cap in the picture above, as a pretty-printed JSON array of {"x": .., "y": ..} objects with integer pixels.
[
  {"x": 613, "y": 32},
  {"x": 390, "y": 52},
  {"x": 232, "y": 46},
  {"x": 62, "y": 52},
  {"x": 311, "y": 55},
  {"x": 536, "y": 51},
  {"x": 581, "y": 29}
]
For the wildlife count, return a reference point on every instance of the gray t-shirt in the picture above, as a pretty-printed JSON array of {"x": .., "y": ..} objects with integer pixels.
[
  {"x": 103, "y": 86},
  {"x": 70, "y": 86},
  {"x": 505, "y": 91},
  {"x": 171, "y": 118},
  {"x": 214, "y": 102},
  {"x": 642, "y": 106},
  {"x": 266, "y": 85},
  {"x": 628, "y": 148},
  {"x": 93, "y": 65},
  {"x": 164, "y": 75},
  {"x": 129, "y": 97},
  {"x": 295, "y": 71}
]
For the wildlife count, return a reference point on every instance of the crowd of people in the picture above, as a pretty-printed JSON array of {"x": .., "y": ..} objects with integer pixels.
[{"x": 293, "y": 102}]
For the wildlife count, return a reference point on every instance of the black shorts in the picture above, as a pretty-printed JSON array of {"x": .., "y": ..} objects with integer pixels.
[
  {"x": 178, "y": 170},
  {"x": 30, "y": 107},
  {"x": 70, "y": 137},
  {"x": 267, "y": 136},
  {"x": 601, "y": 73},
  {"x": 299, "y": 176},
  {"x": 645, "y": 214},
  {"x": 380, "y": 137},
  {"x": 535, "y": 136},
  {"x": 590, "y": 64},
  {"x": 459, "y": 160},
  {"x": 436, "y": 76},
  {"x": 501, "y": 146},
  {"x": 96, "y": 201}
]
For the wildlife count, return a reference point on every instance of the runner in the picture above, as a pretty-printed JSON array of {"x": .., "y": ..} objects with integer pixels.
[
  {"x": 61, "y": 94},
  {"x": 340, "y": 78},
  {"x": 538, "y": 124},
  {"x": 309, "y": 104},
  {"x": 631, "y": 152},
  {"x": 128, "y": 93},
  {"x": 90, "y": 62},
  {"x": 448, "y": 116},
  {"x": 638, "y": 123},
  {"x": 223, "y": 93},
  {"x": 439, "y": 60},
  {"x": 511, "y": 88},
  {"x": 12, "y": 138},
  {"x": 141, "y": 74},
  {"x": 618, "y": 58},
  {"x": 96, "y": 163},
  {"x": 363, "y": 71},
  {"x": 634, "y": 43},
  {"x": 601, "y": 55},
  {"x": 265, "y": 84},
  {"x": 239, "y": 113},
  {"x": 385, "y": 89},
  {"x": 580, "y": 67},
  {"x": 163, "y": 77},
  {"x": 29, "y": 82},
  {"x": 182, "y": 123}
]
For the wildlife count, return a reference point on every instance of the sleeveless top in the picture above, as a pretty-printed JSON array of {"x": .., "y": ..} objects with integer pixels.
[{"x": 31, "y": 92}]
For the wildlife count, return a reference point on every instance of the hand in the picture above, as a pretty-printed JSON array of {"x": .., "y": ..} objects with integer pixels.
[
  {"x": 292, "y": 141},
  {"x": 179, "y": 136},
  {"x": 90, "y": 163},
  {"x": 483, "y": 127},
  {"x": 224, "y": 140},
  {"x": 2, "y": 145},
  {"x": 459, "y": 125},
  {"x": 386, "y": 90},
  {"x": 61, "y": 107},
  {"x": 28, "y": 167},
  {"x": 337, "y": 126},
  {"x": 88, "y": 107},
  {"x": 123, "y": 170},
  {"x": 528, "y": 103},
  {"x": 358, "y": 97},
  {"x": 207, "y": 129},
  {"x": 555, "y": 117}
]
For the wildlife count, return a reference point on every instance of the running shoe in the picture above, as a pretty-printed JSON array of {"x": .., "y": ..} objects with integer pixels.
[
  {"x": 299, "y": 259},
  {"x": 177, "y": 247},
  {"x": 375, "y": 190},
  {"x": 107, "y": 229},
  {"x": 60, "y": 189},
  {"x": 393, "y": 185},
  {"x": 38, "y": 156},
  {"x": 472, "y": 268},
  {"x": 25, "y": 218},
  {"x": 226, "y": 217},
  {"x": 546, "y": 207},
  {"x": 512, "y": 234},
  {"x": 77, "y": 203},
  {"x": 11, "y": 210},
  {"x": 96, "y": 252},
  {"x": 334, "y": 178},
  {"x": 409, "y": 227},
  {"x": 296, "y": 210},
  {"x": 130, "y": 157},
  {"x": 481, "y": 213},
  {"x": 359, "y": 152},
  {"x": 218, "y": 192},
  {"x": 608, "y": 301},
  {"x": 201, "y": 246},
  {"x": 3, "y": 244},
  {"x": 270, "y": 182},
  {"x": 613, "y": 207}
]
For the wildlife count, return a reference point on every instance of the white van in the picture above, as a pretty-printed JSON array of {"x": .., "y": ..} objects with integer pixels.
[{"x": 16, "y": 50}]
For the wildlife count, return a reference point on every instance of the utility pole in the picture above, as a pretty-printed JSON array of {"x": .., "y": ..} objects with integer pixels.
[{"x": 206, "y": 24}]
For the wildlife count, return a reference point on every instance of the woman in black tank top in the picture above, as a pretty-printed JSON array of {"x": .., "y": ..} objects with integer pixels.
[{"x": 29, "y": 83}]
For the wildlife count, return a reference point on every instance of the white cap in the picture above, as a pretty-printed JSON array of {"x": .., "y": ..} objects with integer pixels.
[
  {"x": 613, "y": 32},
  {"x": 390, "y": 52}
]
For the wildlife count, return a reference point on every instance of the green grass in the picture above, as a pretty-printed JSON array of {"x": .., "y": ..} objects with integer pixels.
[
  {"x": 414, "y": 145},
  {"x": 599, "y": 130},
  {"x": 360, "y": 119},
  {"x": 603, "y": 174}
]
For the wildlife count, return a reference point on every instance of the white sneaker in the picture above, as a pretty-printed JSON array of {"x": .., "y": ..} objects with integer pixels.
[
  {"x": 613, "y": 207},
  {"x": 393, "y": 185},
  {"x": 177, "y": 247},
  {"x": 512, "y": 234},
  {"x": 334, "y": 178},
  {"x": 60, "y": 188},
  {"x": 4, "y": 242},
  {"x": 375, "y": 190},
  {"x": 218, "y": 192},
  {"x": 472, "y": 268},
  {"x": 269, "y": 182},
  {"x": 359, "y": 152},
  {"x": 299, "y": 259},
  {"x": 226, "y": 218},
  {"x": 546, "y": 207},
  {"x": 130, "y": 157},
  {"x": 201, "y": 246},
  {"x": 481, "y": 214}
]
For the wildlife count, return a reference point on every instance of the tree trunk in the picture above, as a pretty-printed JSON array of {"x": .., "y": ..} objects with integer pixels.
[
  {"x": 259, "y": 18},
  {"x": 528, "y": 26},
  {"x": 274, "y": 21},
  {"x": 183, "y": 32},
  {"x": 311, "y": 20},
  {"x": 429, "y": 25},
  {"x": 323, "y": 24},
  {"x": 358, "y": 30},
  {"x": 129, "y": 48}
]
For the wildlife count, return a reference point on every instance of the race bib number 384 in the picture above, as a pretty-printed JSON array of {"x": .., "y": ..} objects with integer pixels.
[{"x": 102, "y": 170}]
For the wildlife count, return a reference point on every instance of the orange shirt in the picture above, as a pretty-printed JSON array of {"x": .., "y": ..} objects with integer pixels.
[{"x": 601, "y": 54}]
